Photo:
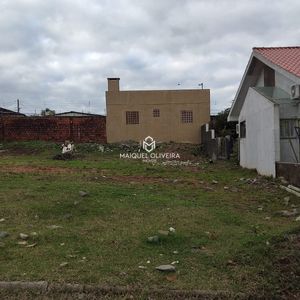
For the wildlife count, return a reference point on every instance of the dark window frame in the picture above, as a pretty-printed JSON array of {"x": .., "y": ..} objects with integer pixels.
[
  {"x": 243, "y": 129},
  {"x": 287, "y": 128},
  {"x": 156, "y": 113},
  {"x": 132, "y": 117},
  {"x": 187, "y": 116},
  {"x": 269, "y": 76}
]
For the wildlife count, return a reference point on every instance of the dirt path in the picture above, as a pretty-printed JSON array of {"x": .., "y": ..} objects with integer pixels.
[
  {"x": 98, "y": 175},
  {"x": 45, "y": 290},
  {"x": 38, "y": 170}
]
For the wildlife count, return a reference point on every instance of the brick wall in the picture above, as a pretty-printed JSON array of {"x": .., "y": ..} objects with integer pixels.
[{"x": 77, "y": 129}]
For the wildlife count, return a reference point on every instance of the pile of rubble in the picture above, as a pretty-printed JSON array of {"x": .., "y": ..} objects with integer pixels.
[{"x": 172, "y": 163}]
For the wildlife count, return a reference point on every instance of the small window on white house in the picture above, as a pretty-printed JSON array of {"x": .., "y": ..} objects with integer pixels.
[
  {"x": 243, "y": 129},
  {"x": 288, "y": 128}
]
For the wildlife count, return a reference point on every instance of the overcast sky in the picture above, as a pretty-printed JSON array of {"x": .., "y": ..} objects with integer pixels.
[{"x": 58, "y": 53}]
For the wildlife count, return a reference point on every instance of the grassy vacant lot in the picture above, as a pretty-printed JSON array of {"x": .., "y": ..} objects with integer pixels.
[{"x": 228, "y": 235}]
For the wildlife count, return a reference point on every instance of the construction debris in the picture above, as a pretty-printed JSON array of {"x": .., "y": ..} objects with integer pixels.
[
  {"x": 288, "y": 213},
  {"x": 166, "y": 268},
  {"x": 231, "y": 263},
  {"x": 3, "y": 234},
  {"x": 291, "y": 189},
  {"x": 67, "y": 147},
  {"x": 64, "y": 264},
  {"x": 153, "y": 239},
  {"x": 54, "y": 226},
  {"x": 286, "y": 200},
  {"x": 22, "y": 243},
  {"x": 31, "y": 245},
  {"x": 83, "y": 193},
  {"x": 23, "y": 236},
  {"x": 163, "y": 232},
  {"x": 142, "y": 267},
  {"x": 172, "y": 230}
]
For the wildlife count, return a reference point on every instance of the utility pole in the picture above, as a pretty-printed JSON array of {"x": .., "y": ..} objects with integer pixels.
[{"x": 18, "y": 105}]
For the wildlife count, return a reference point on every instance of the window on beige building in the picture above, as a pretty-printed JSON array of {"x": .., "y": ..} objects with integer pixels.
[
  {"x": 156, "y": 113},
  {"x": 186, "y": 116},
  {"x": 132, "y": 117}
]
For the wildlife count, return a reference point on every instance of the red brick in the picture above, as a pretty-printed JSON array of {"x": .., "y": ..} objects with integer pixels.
[{"x": 77, "y": 129}]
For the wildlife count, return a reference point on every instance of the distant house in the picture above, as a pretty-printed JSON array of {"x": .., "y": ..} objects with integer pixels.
[
  {"x": 267, "y": 108},
  {"x": 7, "y": 112},
  {"x": 75, "y": 114},
  {"x": 164, "y": 115}
]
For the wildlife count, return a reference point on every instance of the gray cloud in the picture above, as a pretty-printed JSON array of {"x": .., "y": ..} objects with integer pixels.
[{"x": 59, "y": 53}]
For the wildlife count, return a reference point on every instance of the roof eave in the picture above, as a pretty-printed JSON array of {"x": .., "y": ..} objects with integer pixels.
[
  {"x": 270, "y": 64},
  {"x": 231, "y": 116},
  {"x": 235, "y": 111}
]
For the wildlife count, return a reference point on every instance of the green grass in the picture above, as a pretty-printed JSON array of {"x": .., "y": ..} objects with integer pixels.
[{"x": 103, "y": 236}]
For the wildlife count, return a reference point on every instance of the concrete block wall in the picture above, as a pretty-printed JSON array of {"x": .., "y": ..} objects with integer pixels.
[
  {"x": 214, "y": 147},
  {"x": 290, "y": 171}
]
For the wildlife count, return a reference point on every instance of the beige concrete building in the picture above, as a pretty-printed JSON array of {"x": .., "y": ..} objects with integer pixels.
[{"x": 165, "y": 115}]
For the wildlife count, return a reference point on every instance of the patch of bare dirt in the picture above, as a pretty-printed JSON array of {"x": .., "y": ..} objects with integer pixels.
[
  {"x": 34, "y": 169},
  {"x": 20, "y": 151},
  {"x": 141, "y": 180},
  {"x": 105, "y": 176},
  {"x": 287, "y": 265},
  {"x": 186, "y": 151}
]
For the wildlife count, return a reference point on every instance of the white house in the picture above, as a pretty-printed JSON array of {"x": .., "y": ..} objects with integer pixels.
[{"x": 267, "y": 108}]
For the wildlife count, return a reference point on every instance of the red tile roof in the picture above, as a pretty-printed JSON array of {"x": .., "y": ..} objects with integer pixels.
[{"x": 288, "y": 58}]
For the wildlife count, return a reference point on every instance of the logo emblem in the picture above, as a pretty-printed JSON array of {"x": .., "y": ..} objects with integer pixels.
[{"x": 149, "y": 144}]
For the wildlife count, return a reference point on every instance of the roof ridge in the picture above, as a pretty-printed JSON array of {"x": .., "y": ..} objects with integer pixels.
[{"x": 274, "y": 47}]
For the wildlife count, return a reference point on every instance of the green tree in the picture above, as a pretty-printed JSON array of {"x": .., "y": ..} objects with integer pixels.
[
  {"x": 47, "y": 112},
  {"x": 221, "y": 126}
]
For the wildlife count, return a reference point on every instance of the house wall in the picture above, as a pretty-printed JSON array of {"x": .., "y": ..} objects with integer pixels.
[
  {"x": 168, "y": 127},
  {"x": 77, "y": 129},
  {"x": 287, "y": 152},
  {"x": 290, "y": 148},
  {"x": 260, "y": 80},
  {"x": 260, "y": 149},
  {"x": 283, "y": 82},
  {"x": 287, "y": 111}
]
